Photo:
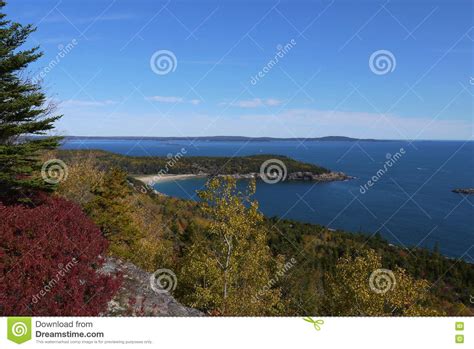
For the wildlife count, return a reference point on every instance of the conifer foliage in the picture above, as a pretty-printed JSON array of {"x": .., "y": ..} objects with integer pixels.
[{"x": 24, "y": 112}]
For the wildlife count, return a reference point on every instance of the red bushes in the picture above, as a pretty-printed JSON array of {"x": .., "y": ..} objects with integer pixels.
[{"x": 49, "y": 256}]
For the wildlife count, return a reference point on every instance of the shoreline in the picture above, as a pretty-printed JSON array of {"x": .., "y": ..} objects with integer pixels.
[
  {"x": 292, "y": 177},
  {"x": 157, "y": 178}
]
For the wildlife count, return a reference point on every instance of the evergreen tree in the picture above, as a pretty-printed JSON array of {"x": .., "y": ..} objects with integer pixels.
[
  {"x": 23, "y": 113},
  {"x": 111, "y": 210}
]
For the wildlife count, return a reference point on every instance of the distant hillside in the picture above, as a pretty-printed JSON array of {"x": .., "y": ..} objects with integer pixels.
[
  {"x": 144, "y": 165},
  {"x": 236, "y": 139}
]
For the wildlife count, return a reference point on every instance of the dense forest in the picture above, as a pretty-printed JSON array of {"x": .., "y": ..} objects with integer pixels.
[
  {"x": 181, "y": 164},
  {"x": 303, "y": 262}
]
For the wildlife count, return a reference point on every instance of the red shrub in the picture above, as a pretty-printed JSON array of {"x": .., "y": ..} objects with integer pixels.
[{"x": 49, "y": 256}]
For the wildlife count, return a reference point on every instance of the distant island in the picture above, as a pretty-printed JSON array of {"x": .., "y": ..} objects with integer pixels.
[
  {"x": 235, "y": 139},
  {"x": 157, "y": 168}
]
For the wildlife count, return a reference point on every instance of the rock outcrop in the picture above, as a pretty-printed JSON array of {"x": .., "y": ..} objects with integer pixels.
[
  {"x": 324, "y": 177},
  {"x": 468, "y": 191},
  {"x": 136, "y": 297},
  {"x": 300, "y": 176}
]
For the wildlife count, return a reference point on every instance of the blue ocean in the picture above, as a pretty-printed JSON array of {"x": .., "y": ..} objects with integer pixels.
[{"x": 411, "y": 203}]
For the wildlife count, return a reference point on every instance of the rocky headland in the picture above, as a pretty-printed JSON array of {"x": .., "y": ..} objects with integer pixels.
[{"x": 467, "y": 191}]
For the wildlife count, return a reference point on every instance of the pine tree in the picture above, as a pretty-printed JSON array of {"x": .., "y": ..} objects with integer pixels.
[
  {"x": 111, "y": 211},
  {"x": 23, "y": 113}
]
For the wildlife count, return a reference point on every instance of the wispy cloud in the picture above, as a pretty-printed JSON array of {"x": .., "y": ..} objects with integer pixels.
[
  {"x": 87, "y": 103},
  {"x": 172, "y": 99},
  {"x": 288, "y": 123},
  {"x": 254, "y": 103}
]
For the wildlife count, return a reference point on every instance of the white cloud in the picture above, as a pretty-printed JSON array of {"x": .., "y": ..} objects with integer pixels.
[
  {"x": 195, "y": 101},
  {"x": 255, "y": 103},
  {"x": 87, "y": 103},
  {"x": 289, "y": 123},
  {"x": 172, "y": 99},
  {"x": 165, "y": 99}
]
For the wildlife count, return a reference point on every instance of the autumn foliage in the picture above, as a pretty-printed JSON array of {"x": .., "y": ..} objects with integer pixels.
[{"x": 49, "y": 258}]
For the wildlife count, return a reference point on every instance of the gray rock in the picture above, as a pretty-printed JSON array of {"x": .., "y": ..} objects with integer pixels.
[{"x": 136, "y": 297}]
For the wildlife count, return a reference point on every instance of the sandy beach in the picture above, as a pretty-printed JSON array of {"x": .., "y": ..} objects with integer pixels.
[{"x": 152, "y": 179}]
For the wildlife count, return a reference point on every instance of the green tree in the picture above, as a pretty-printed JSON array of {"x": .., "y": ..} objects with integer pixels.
[
  {"x": 361, "y": 287},
  {"x": 228, "y": 269},
  {"x": 24, "y": 113},
  {"x": 111, "y": 210}
]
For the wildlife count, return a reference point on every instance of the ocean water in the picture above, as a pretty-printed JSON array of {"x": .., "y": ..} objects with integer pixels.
[{"x": 410, "y": 204}]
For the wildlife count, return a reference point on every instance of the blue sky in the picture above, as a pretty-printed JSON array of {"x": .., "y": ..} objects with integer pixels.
[{"x": 97, "y": 67}]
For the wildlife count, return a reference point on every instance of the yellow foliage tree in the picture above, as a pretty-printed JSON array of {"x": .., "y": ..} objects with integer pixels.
[
  {"x": 83, "y": 177},
  {"x": 361, "y": 287},
  {"x": 227, "y": 268}
]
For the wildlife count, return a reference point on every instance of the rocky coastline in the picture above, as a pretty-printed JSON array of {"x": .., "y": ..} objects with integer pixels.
[
  {"x": 467, "y": 191},
  {"x": 290, "y": 177},
  {"x": 297, "y": 176}
]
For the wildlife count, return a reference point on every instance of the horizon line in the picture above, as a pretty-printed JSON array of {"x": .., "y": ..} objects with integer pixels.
[{"x": 269, "y": 138}]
